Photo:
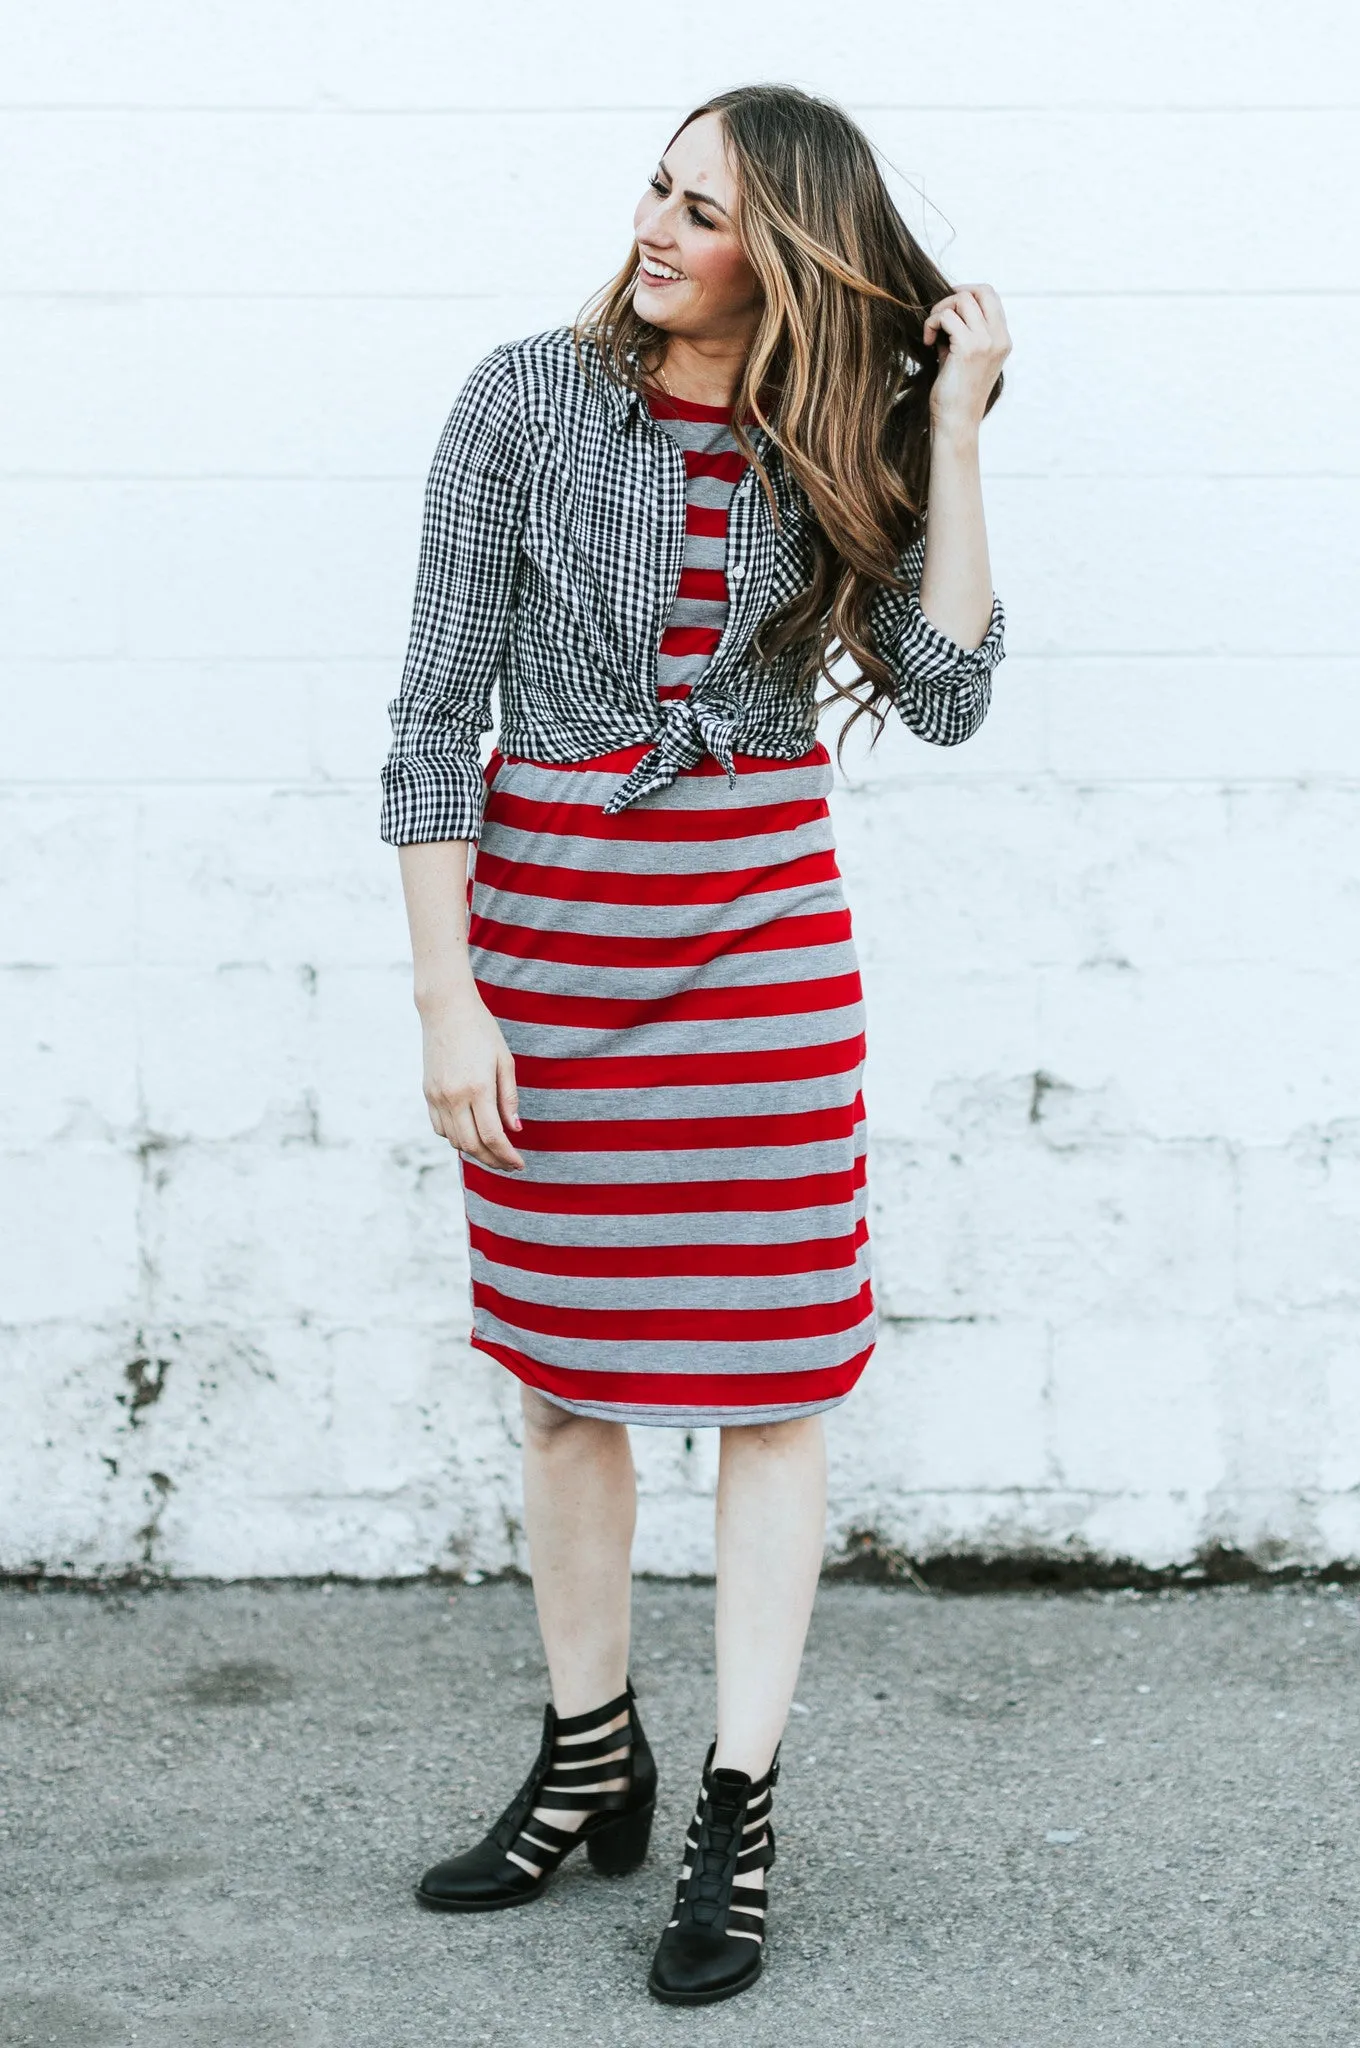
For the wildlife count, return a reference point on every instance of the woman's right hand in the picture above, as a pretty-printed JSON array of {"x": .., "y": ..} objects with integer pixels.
[{"x": 470, "y": 1079}]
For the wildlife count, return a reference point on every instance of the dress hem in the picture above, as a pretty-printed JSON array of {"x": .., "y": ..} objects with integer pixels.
[{"x": 660, "y": 1415}]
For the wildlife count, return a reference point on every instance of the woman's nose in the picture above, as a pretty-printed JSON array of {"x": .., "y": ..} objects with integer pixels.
[{"x": 652, "y": 225}]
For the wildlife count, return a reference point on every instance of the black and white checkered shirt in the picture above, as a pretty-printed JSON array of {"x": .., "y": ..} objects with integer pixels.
[{"x": 550, "y": 556}]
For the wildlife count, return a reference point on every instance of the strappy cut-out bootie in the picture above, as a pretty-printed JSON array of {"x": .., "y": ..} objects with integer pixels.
[
  {"x": 712, "y": 1946},
  {"x": 583, "y": 1765}
]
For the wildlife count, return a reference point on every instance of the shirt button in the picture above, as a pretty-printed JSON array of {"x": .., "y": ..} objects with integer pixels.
[{"x": 737, "y": 571}]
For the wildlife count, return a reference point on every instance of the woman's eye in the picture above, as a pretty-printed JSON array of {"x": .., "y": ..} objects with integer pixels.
[
  {"x": 701, "y": 220},
  {"x": 657, "y": 186}
]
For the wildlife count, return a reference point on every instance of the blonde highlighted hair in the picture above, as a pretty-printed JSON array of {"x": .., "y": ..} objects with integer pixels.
[{"x": 838, "y": 373}]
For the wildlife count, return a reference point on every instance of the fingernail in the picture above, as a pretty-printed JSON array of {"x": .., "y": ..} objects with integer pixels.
[{"x": 515, "y": 1124}]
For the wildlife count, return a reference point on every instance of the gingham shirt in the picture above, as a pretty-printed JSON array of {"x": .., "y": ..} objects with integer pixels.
[{"x": 549, "y": 560}]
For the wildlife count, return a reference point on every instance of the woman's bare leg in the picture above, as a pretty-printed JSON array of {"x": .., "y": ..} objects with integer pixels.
[
  {"x": 771, "y": 1534},
  {"x": 580, "y": 1505}
]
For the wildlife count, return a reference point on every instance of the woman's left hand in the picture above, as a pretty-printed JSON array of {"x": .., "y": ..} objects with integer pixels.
[{"x": 970, "y": 329}]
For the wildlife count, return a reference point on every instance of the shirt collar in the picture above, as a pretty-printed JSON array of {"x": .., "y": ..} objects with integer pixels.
[{"x": 621, "y": 402}]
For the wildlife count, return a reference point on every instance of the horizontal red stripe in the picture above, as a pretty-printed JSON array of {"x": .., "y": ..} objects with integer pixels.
[
  {"x": 585, "y": 885},
  {"x": 692, "y": 1069},
  {"x": 594, "y": 949},
  {"x": 709, "y": 520},
  {"x": 664, "y": 407},
  {"x": 729, "y": 468},
  {"x": 677, "y": 1325},
  {"x": 675, "y": 1198},
  {"x": 615, "y": 1013},
  {"x": 688, "y": 1133},
  {"x": 741, "y": 1390},
  {"x": 679, "y": 642},
  {"x": 588, "y": 821},
  {"x": 658, "y": 1261},
  {"x": 624, "y": 758},
  {"x": 666, "y": 691},
  {"x": 706, "y": 586}
]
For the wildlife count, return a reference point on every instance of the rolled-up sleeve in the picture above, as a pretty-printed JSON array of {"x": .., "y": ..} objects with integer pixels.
[
  {"x": 469, "y": 553},
  {"x": 941, "y": 689}
]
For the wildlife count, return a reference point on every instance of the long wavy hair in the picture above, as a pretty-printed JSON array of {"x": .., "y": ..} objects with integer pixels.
[{"x": 838, "y": 374}]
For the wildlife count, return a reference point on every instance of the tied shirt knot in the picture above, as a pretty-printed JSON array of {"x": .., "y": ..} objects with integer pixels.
[{"x": 688, "y": 732}]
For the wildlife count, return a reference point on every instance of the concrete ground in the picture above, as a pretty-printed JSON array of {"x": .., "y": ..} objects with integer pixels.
[{"x": 1014, "y": 1821}]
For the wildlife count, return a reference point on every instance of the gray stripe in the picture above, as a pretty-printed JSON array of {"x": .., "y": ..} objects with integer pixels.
[
  {"x": 710, "y": 492},
  {"x": 699, "y": 611},
  {"x": 642, "y": 1229},
  {"x": 758, "y": 1292},
  {"x": 546, "y": 783},
  {"x": 705, "y": 551},
  {"x": 651, "y": 921},
  {"x": 674, "y": 669},
  {"x": 656, "y": 856},
  {"x": 644, "y": 1413},
  {"x": 700, "y": 437},
  {"x": 709, "y": 1162},
  {"x": 718, "y": 1034},
  {"x": 744, "y": 1098},
  {"x": 781, "y": 967}
]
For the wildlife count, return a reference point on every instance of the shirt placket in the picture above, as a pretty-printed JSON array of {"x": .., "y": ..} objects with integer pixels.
[
  {"x": 668, "y": 473},
  {"x": 745, "y": 584}
]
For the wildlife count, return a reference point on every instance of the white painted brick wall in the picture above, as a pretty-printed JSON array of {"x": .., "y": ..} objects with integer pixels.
[{"x": 248, "y": 254}]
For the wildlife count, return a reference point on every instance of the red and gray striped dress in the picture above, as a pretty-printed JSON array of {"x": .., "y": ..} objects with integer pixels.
[{"x": 679, "y": 988}]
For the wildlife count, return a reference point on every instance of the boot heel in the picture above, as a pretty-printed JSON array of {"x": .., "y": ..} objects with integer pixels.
[{"x": 622, "y": 1846}]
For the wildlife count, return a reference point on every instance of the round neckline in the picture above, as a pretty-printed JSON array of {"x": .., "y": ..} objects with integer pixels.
[{"x": 662, "y": 406}]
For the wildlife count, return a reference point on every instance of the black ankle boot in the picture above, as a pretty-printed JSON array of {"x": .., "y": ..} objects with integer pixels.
[
  {"x": 712, "y": 1947},
  {"x": 616, "y": 1833}
]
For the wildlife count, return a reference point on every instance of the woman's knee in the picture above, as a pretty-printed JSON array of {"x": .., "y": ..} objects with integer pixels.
[
  {"x": 543, "y": 1419},
  {"x": 780, "y": 1439},
  {"x": 547, "y": 1426}
]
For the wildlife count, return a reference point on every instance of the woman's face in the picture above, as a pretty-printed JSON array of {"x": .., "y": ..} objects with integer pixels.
[{"x": 694, "y": 279}]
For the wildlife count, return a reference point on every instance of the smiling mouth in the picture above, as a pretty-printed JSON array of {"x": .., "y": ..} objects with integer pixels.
[{"x": 658, "y": 273}]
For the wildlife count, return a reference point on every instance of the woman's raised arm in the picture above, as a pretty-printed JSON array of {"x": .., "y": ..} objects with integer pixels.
[{"x": 956, "y": 581}]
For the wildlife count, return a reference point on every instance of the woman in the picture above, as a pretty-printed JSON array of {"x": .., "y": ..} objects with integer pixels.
[{"x": 757, "y": 456}]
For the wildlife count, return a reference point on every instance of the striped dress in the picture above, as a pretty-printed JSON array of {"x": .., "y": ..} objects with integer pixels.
[{"x": 679, "y": 988}]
